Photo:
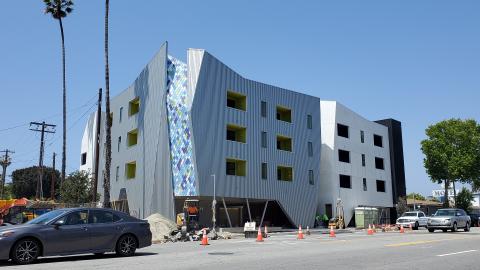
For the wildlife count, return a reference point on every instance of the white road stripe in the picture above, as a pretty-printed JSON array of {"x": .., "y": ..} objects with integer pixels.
[{"x": 455, "y": 253}]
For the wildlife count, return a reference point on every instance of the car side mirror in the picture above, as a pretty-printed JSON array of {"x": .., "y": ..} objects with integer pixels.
[{"x": 59, "y": 223}]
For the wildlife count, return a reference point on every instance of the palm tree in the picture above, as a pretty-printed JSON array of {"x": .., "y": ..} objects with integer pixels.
[
  {"x": 108, "y": 150},
  {"x": 60, "y": 9}
]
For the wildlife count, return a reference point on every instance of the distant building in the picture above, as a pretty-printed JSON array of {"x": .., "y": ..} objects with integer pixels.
[{"x": 181, "y": 125}]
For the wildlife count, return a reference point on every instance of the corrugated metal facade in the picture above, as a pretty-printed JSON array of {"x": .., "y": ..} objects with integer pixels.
[{"x": 210, "y": 115}]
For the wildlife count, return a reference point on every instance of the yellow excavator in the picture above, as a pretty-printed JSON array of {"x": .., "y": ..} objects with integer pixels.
[{"x": 338, "y": 222}]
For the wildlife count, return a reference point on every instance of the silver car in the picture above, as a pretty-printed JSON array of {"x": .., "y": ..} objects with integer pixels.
[
  {"x": 415, "y": 219},
  {"x": 74, "y": 231},
  {"x": 449, "y": 219}
]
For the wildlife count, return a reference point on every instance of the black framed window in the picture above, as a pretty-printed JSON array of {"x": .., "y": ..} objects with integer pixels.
[
  {"x": 311, "y": 179},
  {"x": 378, "y": 140},
  {"x": 309, "y": 122},
  {"x": 264, "y": 139},
  {"x": 343, "y": 156},
  {"x": 364, "y": 184},
  {"x": 380, "y": 186},
  {"x": 379, "y": 164},
  {"x": 310, "y": 149},
  {"x": 264, "y": 109},
  {"x": 342, "y": 130},
  {"x": 345, "y": 181},
  {"x": 264, "y": 171},
  {"x": 363, "y": 160}
]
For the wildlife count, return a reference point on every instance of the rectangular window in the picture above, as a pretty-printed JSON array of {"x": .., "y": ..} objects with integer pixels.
[
  {"x": 380, "y": 186},
  {"x": 310, "y": 149},
  {"x": 362, "y": 136},
  {"x": 236, "y": 133},
  {"x": 264, "y": 139},
  {"x": 363, "y": 160},
  {"x": 134, "y": 106},
  {"x": 364, "y": 184},
  {"x": 236, "y": 100},
  {"x": 264, "y": 109},
  {"x": 284, "y": 173},
  {"x": 309, "y": 122},
  {"x": 120, "y": 113},
  {"x": 132, "y": 137},
  {"x": 343, "y": 156},
  {"x": 377, "y": 140},
  {"x": 117, "y": 173},
  {"x": 379, "y": 163},
  {"x": 311, "y": 180},
  {"x": 84, "y": 158},
  {"x": 130, "y": 170},
  {"x": 236, "y": 167},
  {"x": 264, "y": 171},
  {"x": 342, "y": 130},
  {"x": 284, "y": 143},
  {"x": 119, "y": 143},
  {"x": 284, "y": 114},
  {"x": 345, "y": 181}
]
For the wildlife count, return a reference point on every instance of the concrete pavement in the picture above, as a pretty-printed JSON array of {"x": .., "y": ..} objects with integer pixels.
[{"x": 412, "y": 250}]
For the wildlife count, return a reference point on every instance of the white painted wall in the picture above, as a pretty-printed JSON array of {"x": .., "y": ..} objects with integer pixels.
[{"x": 332, "y": 113}]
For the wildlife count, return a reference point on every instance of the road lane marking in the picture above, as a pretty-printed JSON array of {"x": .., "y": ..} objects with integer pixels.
[
  {"x": 455, "y": 253},
  {"x": 412, "y": 243}
]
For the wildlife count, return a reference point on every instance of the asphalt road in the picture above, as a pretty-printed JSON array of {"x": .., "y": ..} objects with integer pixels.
[{"x": 412, "y": 250}]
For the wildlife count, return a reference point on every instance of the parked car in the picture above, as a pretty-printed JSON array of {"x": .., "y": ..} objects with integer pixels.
[
  {"x": 449, "y": 219},
  {"x": 415, "y": 218},
  {"x": 74, "y": 231},
  {"x": 475, "y": 218}
]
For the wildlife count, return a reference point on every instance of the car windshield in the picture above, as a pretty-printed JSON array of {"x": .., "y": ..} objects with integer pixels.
[
  {"x": 445, "y": 212},
  {"x": 409, "y": 215},
  {"x": 47, "y": 217}
]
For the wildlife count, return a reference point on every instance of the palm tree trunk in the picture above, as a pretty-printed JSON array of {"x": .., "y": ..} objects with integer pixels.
[
  {"x": 108, "y": 150},
  {"x": 64, "y": 145}
]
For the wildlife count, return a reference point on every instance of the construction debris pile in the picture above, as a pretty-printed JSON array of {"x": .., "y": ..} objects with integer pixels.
[{"x": 162, "y": 228}]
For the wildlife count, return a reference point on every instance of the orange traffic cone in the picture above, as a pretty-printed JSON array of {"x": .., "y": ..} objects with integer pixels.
[
  {"x": 204, "y": 238},
  {"x": 332, "y": 232},
  {"x": 266, "y": 232},
  {"x": 370, "y": 231},
  {"x": 259, "y": 235},
  {"x": 300, "y": 233},
  {"x": 308, "y": 231},
  {"x": 401, "y": 229}
]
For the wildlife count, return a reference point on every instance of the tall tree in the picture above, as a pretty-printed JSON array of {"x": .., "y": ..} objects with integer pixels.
[
  {"x": 452, "y": 153},
  {"x": 78, "y": 188},
  {"x": 416, "y": 196},
  {"x": 60, "y": 9},
  {"x": 464, "y": 199},
  {"x": 24, "y": 182},
  {"x": 108, "y": 148}
]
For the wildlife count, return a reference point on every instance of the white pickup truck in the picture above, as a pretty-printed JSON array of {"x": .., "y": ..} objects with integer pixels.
[{"x": 415, "y": 218}]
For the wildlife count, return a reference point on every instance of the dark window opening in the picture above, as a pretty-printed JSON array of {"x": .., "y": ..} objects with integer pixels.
[
  {"x": 377, "y": 140},
  {"x": 379, "y": 163},
  {"x": 264, "y": 109},
  {"x": 344, "y": 156},
  {"x": 310, "y": 149},
  {"x": 284, "y": 173},
  {"x": 284, "y": 114},
  {"x": 364, "y": 184},
  {"x": 264, "y": 139},
  {"x": 309, "y": 122},
  {"x": 380, "y": 186},
  {"x": 363, "y": 160},
  {"x": 264, "y": 171},
  {"x": 311, "y": 180},
  {"x": 342, "y": 130},
  {"x": 284, "y": 143},
  {"x": 345, "y": 181},
  {"x": 362, "y": 136},
  {"x": 84, "y": 158},
  {"x": 236, "y": 100}
]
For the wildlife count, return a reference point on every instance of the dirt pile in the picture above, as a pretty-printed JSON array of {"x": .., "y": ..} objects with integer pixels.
[{"x": 161, "y": 227}]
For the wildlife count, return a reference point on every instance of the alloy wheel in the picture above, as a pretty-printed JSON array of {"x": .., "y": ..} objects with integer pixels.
[
  {"x": 26, "y": 251},
  {"x": 128, "y": 244}
]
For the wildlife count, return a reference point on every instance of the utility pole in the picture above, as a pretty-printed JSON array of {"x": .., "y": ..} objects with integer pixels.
[
  {"x": 52, "y": 185},
  {"x": 42, "y": 128},
  {"x": 5, "y": 162},
  {"x": 97, "y": 145}
]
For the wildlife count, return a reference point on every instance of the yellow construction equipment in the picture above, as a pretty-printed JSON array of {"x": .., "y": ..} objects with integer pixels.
[{"x": 338, "y": 222}]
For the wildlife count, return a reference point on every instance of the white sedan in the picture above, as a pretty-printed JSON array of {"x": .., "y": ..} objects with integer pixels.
[{"x": 416, "y": 219}]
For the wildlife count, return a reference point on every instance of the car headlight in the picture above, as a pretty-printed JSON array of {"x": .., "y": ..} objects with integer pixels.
[
  {"x": 446, "y": 220},
  {"x": 6, "y": 234}
]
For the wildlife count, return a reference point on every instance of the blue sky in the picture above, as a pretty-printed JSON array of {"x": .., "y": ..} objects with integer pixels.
[{"x": 415, "y": 61}]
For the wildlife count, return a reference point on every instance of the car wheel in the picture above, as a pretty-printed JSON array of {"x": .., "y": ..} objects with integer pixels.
[
  {"x": 25, "y": 251},
  {"x": 431, "y": 230},
  {"x": 416, "y": 226},
  {"x": 454, "y": 228},
  {"x": 444, "y": 230},
  {"x": 126, "y": 245},
  {"x": 467, "y": 227}
]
